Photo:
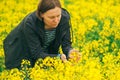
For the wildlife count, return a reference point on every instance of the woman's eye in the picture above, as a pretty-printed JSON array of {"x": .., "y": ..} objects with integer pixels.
[
  {"x": 51, "y": 17},
  {"x": 58, "y": 16}
]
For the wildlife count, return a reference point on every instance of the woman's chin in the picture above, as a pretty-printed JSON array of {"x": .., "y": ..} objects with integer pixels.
[{"x": 54, "y": 26}]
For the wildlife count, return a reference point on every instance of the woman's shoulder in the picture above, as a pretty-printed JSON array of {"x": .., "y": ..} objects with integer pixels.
[
  {"x": 31, "y": 17},
  {"x": 31, "y": 20},
  {"x": 65, "y": 14}
]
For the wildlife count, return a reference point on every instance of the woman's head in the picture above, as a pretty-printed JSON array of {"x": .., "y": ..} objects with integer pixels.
[
  {"x": 50, "y": 12},
  {"x": 45, "y": 5}
]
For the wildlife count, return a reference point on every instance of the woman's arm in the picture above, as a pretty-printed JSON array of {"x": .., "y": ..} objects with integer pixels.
[
  {"x": 66, "y": 41},
  {"x": 33, "y": 42}
]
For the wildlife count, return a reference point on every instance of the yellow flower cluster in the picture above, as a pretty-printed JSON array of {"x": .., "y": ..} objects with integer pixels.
[{"x": 96, "y": 33}]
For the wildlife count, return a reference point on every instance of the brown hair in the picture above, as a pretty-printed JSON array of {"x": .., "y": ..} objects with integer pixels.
[{"x": 45, "y": 5}]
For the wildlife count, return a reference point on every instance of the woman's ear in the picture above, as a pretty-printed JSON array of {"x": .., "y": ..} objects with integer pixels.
[{"x": 41, "y": 15}]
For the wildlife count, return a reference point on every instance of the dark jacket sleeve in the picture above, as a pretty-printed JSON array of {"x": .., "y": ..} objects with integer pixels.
[
  {"x": 33, "y": 41},
  {"x": 66, "y": 41}
]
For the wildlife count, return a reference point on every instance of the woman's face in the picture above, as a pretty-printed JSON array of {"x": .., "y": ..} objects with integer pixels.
[{"x": 52, "y": 18}]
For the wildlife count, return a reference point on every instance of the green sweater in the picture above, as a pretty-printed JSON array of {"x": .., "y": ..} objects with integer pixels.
[{"x": 49, "y": 37}]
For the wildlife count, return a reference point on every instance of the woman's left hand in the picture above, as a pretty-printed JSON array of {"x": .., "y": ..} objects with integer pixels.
[{"x": 74, "y": 55}]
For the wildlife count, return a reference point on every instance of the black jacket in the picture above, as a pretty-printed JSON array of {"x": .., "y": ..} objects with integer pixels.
[{"x": 30, "y": 34}]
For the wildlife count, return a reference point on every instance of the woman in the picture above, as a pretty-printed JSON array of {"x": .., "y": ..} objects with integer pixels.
[{"x": 40, "y": 34}]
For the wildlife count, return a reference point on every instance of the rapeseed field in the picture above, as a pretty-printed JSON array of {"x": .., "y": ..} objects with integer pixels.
[{"x": 96, "y": 34}]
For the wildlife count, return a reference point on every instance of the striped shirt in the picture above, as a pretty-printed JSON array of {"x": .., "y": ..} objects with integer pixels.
[{"x": 49, "y": 37}]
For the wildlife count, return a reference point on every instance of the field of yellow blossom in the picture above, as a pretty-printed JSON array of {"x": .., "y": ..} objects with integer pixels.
[{"x": 96, "y": 33}]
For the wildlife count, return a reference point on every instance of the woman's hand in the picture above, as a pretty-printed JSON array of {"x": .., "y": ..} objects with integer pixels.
[
  {"x": 63, "y": 57},
  {"x": 74, "y": 55}
]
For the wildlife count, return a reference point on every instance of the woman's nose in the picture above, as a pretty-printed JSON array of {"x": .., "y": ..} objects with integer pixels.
[{"x": 56, "y": 19}]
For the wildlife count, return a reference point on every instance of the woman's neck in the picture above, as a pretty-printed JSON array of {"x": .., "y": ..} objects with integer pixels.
[{"x": 48, "y": 28}]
